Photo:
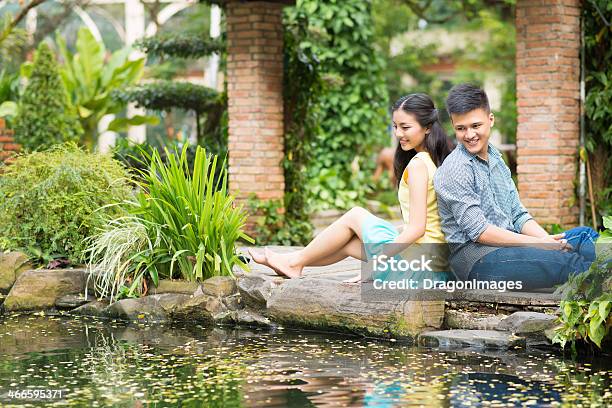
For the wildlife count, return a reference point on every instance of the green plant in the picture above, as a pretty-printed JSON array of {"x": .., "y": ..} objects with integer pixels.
[
  {"x": 353, "y": 103},
  {"x": 586, "y": 310},
  {"x": 90, "y": 79},
  {"x": 191, "y": 225},
  {"x": 12, "y": 39},
  {"x": 332, "y": 191},
  {"x": 50, "y": 202},
  {"x": 45, "y": 116},
  {"x": 166, "y": 95},
  {"x": 183, "y": 45},
  {"x": 598, "y": 102},
  {"x": 273, "y": 226},
  {"x": 9, "y": 93}
]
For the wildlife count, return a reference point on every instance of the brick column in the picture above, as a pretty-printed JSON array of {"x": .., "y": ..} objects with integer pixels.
[
  {"x": 548, "y": 99},
  {"x": 8, "y": 147},
  {"x": 255, "y": 98}
]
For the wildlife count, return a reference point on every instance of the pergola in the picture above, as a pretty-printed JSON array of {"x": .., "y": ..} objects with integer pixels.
[{"x": 548, "y": 92}]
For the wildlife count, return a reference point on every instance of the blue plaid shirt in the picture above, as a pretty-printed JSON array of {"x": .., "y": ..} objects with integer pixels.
[{"x": 473, "y": 193}]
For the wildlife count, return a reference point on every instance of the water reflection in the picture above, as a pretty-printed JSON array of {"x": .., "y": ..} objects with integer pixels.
[{"x": 101, "y": 363}]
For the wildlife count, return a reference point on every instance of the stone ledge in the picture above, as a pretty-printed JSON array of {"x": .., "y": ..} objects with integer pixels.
[
  {"x": 325, "y": 304},
  {"x": 481, "y": 339}
]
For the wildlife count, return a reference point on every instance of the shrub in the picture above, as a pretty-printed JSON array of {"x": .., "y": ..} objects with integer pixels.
[
  {"x": 51, "y": 201},
  {"x": 45, "y": 116},
  {"x": 273, "y": 225},
  {"x": 586, "y": 310},
  {"x": 181, "y": 221}
]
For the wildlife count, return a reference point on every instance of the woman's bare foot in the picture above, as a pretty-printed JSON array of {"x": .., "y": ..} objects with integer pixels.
[
  {"x": 258, "y": 257},
  {"x": 280, "y": 264}
]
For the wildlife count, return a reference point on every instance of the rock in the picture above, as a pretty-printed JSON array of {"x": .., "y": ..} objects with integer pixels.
[
  {"x": 202, "y": 308},
  {"x": 508, "y": 298},
  {"x": 484, "y": 339},
  {"x": 457, "y": 319},
  {"x": 219, "y": 286},
  {"x": 40, "y": 289},
  {"x": 233, "y": 302},
  {"x": 323, "y": 303},
  {"x": 72, "y": 301},
  {"x": 243, "y": 318},
  {"x": 174, "y": 286},
  {"x": 528, "y": 322},
  {"x": 94, "y": 308},
  {"x": 251, "y": 318},
  {"x": 154, "y": 308},
  {"x": 12, "y": 264},
  {"x": 256, "y": 289}
]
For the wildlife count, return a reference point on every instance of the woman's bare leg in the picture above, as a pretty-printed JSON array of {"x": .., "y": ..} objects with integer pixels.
[
  {"x": 328, "y": 246},
  {"x": 354, "y": 249},
  {"x": 329, "y": 242}
]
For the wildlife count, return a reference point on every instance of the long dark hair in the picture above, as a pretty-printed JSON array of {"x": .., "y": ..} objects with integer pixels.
[{"x": 436, "y": 143}]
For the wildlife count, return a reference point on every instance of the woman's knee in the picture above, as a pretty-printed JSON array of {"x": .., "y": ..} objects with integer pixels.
[{"x": 356, "y": 213}]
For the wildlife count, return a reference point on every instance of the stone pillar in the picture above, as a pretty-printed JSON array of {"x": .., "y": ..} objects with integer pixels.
[
  {"x": 255, "y": 98},
  {"x": 548, "y": 99},
  {"x": 8, "y": 147}
]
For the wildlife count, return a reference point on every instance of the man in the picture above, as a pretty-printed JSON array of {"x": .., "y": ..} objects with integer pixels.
[{"x": 491, "y": 235}]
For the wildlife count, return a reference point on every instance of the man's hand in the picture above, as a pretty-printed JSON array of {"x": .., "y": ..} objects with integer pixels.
[{"x": 552, "y": 242}]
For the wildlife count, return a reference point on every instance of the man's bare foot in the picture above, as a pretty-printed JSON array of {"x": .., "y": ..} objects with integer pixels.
[{"x": 280, "y": 264}]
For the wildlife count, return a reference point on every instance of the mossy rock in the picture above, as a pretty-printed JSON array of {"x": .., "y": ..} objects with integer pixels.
[
  {"x": 12, "y": 264},
  {"x": 39, "y": 289}
]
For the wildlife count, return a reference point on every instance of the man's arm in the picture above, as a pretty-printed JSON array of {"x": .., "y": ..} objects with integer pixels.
[
  {"x": 496, "y": 236},
  {"x": 533, "y": 229}
]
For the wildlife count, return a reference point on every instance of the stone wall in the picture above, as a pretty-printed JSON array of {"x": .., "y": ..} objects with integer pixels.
[
  {"x": 548, "y": 99},
  {"x": 8, "y": 147},
  {"x": 255, "y": 93}
]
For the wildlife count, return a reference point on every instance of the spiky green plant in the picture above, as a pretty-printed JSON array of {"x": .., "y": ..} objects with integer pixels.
[{"x": 182, "y": 220}]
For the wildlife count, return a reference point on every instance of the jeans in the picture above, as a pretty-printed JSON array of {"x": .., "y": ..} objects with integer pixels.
[{"x": 539, "y": 268}]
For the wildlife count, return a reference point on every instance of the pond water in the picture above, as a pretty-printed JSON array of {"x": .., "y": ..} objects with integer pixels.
[{"x": 58, "y": 361}]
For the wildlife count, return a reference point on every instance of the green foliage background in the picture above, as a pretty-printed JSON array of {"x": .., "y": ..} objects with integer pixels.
[
  {"x": 338, "y": 38},
  {"x": 598, "y": 103},
  {"x": 45, "y": 115},
  {"x": 50, "y": 202}
]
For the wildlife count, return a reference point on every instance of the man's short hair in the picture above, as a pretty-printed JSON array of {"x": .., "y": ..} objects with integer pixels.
[{"x": 464, "y": 98}]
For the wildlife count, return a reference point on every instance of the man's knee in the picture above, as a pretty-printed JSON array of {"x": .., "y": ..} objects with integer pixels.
[{"x": 583, "y": 230}]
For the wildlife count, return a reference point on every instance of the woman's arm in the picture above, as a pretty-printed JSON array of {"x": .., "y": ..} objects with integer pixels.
[{"x": 417, "y": 217}]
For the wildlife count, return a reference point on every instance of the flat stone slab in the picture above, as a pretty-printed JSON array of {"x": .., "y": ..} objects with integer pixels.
[
  {"x": 482, "y": 339},
  {"x": 320, "y": 299},
  {"x": 327, "y": 304},
  {"x": 509, "y": 298},
  {"x": 528, "y": 322},
  {"x": 457, "y": 319}
]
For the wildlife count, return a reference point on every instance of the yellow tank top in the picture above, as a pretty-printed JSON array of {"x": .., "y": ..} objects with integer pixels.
[{"x": 433, "y": 229}]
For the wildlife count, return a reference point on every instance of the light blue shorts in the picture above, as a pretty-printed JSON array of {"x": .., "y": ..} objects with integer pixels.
[{"x": 377, "y": 232}]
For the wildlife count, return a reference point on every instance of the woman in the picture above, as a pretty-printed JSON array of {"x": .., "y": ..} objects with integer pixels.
[{"x": 422, "y": 147}]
